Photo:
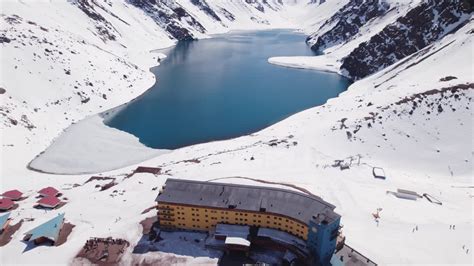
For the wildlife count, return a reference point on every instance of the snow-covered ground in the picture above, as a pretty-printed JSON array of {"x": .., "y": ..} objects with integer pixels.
[{"x": 401, "y": 119}]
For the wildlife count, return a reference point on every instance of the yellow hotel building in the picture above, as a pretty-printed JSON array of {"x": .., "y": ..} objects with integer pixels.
[{"x": 197, "y": 205}]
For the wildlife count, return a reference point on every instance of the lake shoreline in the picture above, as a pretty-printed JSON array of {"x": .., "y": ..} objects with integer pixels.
[
  {"x": 224, "y": 87},
  {"x": 99, "y": 133}
]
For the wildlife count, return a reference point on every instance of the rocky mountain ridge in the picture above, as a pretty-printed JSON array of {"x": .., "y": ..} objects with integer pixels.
[{"x": 425, "y": 22}]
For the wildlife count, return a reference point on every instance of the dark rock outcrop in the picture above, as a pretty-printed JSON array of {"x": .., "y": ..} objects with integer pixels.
[
  {"x": 168, "y": 15},
  {"x": 420, "y": 27},
  {"x": 104, "y": 28},
  {"x": 202, "y": 4},
  {"x": 4, "y": 39},
  {"x": 347, "y": 22}
]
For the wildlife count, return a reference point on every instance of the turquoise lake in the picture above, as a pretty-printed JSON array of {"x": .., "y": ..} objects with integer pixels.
[{"x": 223, "y": 87}]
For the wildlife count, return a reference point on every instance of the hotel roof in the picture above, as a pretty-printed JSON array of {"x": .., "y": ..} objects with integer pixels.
[{"x": 290, "y": 203}]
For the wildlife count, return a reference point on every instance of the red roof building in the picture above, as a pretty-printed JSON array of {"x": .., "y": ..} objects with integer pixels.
[
  {"x": 6, "y": 204},
  {"x": 48, "y": 191},
  {"x": 49, "y": 202},
  {"x": 12, "y": 194}
]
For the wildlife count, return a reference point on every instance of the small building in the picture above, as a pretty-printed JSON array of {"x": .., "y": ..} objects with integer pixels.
[
  {"x": 6, "y": 204},
  {"x": 46, "y": 232},
  {"x": 407, "y": 194},
  {"x": 378, "y": 172},
  {"x": 49, "y": 202},
  {"x": 4, "y": 222},
  {"x": 224, "y": 231},
  {"x": 48, "y": 191},
  {"x": 150, "y": 170},
  {"x": 12, "y": 194},
  {"x": 237, "y": 244},
  {"x": 197, "y": 205},
  {"x": 347, "y": 256}
]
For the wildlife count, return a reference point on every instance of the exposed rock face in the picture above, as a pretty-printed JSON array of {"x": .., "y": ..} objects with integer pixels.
[
  {"x": 259, "y": 6},
  {"x": 347, "y": 21},
  {"x": 104, "y": 28},
  {"x": 171, "y": 16},
  {"x": 420, "y": 27},
  {"x": 202, "y": 4}
]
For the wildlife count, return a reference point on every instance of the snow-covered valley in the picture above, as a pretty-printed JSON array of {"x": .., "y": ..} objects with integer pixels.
[{"x": 412, "y": 116}]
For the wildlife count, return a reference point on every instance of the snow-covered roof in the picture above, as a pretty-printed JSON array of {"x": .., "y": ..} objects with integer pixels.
[
  {"x": 237, "y": 241},
  {"x": 296, "y": 205}
]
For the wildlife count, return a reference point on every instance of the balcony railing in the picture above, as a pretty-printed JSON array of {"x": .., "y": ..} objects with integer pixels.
[
  {"x": 167, "y": 219},
  {"x": 165, "y": 214}
]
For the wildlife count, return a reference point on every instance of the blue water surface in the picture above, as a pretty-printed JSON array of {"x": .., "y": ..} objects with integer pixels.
[{"x": 224, "y": 87}]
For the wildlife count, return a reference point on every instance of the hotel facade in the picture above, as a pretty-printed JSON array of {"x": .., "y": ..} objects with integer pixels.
[{"x": 196, "y": 205}]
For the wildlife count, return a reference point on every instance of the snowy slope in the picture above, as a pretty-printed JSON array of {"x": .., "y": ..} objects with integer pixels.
[
  {"x": 413, "y": 118},
  {"x": 363, "y": 37},
  {"x": 86, "y": 56}
]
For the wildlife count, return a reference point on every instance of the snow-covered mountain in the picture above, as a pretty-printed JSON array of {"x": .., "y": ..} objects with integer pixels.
[
  {"x": 424, "y": 23},
  {"x": 410, "y": 112},
  {"x": 86, "y": 56}
]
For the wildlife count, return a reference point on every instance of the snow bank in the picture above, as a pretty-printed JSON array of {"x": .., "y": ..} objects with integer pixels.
[
  {"x": 321, "y": 63},
  {"x": 90, "y": 146}
]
